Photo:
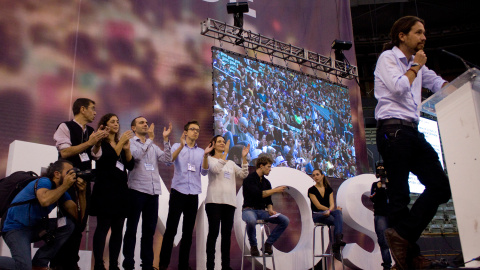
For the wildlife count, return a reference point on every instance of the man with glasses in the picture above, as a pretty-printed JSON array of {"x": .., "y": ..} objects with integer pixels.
[
  {"x": 144, "y": 188},
  {"x": 78, "y": 143},
  {"x": 190, "y": 163}
]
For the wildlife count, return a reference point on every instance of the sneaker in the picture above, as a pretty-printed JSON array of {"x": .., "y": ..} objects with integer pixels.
[
  {"x": 268, "y": 248},
  {"x": 254, "y": 251}
]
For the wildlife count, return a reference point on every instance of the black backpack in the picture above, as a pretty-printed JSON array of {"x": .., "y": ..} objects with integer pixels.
[{"x": 10, "y": 186}]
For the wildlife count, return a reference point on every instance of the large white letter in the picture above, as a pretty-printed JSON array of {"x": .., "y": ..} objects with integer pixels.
[{"x": 360, "y": 218}]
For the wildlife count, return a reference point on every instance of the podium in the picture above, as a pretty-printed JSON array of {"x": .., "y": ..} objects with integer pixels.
[{"x": 457, "y": 108}]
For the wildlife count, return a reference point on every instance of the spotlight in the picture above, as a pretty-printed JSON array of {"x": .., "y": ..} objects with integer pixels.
[
  {"x": 237, "y": 9},
  {"x": 339, "y": 46}
]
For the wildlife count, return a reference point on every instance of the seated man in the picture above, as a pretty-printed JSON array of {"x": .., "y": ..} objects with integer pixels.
[
  {"x": 257, "y": 192},
  {"x": 28, "y": 223}
]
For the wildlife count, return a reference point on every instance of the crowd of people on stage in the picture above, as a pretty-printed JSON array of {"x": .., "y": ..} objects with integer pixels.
[
  {"x": 259, "y": 120},
  {"x": 126, "y": 187},
  {"x": 301, "y": 121}
]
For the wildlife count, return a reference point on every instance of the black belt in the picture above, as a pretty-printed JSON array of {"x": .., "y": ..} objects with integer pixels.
[{"x": 395, "y": 121}]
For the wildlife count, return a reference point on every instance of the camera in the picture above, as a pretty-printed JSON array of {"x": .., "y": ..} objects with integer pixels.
[
  {"x": 47, "y": 236},
  {"x": 87, "y": 175},
  {"x": 380, "y": 171}
]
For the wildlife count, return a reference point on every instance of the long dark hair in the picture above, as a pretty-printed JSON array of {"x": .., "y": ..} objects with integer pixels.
[
  {"x": 402, "y": 25},
  {"x": 213, "y": 141},
  {"x": 103, "y": 122},
  {"x": 326, "y": 183}
]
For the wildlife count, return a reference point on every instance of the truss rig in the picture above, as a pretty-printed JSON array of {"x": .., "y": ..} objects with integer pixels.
[{"x": 274, "y": 48}]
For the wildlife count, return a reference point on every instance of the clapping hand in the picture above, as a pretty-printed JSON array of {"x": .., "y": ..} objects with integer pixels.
[
  {"x": 209, "y": 148},
  {"x": 166, "y": 132}
]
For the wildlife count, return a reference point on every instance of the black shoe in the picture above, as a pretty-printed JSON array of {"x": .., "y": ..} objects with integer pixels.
[
  {"x": 268, "y": 248},
  {"x": 339, "y": 240},
  {"x": 336, "y": 252},
  {"x": 113, "y": 266},
  {"x": 254, "y": 251},
  {"x": 99, "y": 266}
]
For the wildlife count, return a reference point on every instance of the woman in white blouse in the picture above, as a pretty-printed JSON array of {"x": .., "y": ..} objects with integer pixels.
[{"x": 221, "y": 197}]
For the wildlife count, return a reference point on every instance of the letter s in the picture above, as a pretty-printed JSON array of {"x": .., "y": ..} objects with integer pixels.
[{"x": 360, "y": 218}]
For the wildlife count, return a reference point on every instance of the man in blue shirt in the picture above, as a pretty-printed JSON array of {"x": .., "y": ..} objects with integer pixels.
[
  {"x": 26, "y": 223},
  {"x": 190, "y": 162},
  {"x": 399, "y": 77},
  {"x": 144, "y": 186}
]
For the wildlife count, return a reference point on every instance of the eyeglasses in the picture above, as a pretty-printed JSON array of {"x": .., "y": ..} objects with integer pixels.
[{"x": 194, "y": 129}]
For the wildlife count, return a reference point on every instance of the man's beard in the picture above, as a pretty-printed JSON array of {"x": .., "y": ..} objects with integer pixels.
[{"x": 419, "y": 47}]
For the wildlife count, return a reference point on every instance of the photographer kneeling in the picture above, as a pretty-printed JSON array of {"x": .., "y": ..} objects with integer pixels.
[{"x": 28, "y": 223}]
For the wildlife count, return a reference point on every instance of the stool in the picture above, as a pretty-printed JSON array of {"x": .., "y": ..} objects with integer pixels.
[
  {"x": 262, "y": 224},
  {"x": 325, "y": 255}
]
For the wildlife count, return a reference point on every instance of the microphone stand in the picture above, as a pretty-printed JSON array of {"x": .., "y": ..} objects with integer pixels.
[{"x": 467, "y": 64}]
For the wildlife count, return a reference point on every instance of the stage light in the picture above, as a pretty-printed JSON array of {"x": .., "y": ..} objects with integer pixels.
[
  {"x": 237, "y": 9},
  {"x": 339, "y": 46}
]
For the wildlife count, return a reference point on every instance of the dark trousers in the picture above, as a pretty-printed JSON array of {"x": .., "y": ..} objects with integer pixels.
[
  {"x": 179, "y": 203},
  {"x": 67, "y": 257},
  {"x": 219, "y": 213},
  {"x": 147, "y": 205},
  {"x": 405, "y": 150},
  {"x": 103, "y": 226}
]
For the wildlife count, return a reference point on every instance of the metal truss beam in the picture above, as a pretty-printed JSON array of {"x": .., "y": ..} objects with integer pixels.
[{"x": 275, "y": 48}]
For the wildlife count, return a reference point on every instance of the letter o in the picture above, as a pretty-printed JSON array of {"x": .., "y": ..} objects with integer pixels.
[{"x": 299, "y": 183}]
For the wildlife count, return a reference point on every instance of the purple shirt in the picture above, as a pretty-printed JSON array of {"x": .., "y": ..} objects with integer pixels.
[
  {"x": 188, "y": 168},
  {"x": 396, "y": 97},
  {"x": 145, "y": 176}
]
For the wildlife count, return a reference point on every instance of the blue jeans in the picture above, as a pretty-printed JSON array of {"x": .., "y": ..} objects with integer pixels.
[
  {"x": 381, "y": 224},
  {"x": 19, "y": 242},
  {"x": 7, "y": 263},
  {"x": 147, "y": 206},
  {"x": 250, "y": 216},
  {"x": 335, "y": 218}
]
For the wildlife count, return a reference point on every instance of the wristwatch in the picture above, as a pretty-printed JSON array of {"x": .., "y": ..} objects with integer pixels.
[{"x": 415, "y": 64}]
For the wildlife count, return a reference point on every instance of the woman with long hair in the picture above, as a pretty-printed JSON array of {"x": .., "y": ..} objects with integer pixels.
[
  {"x": 221, "y": 197},
  {"x": 323, "y": 208},
  {"x": 110, "y": 192}
]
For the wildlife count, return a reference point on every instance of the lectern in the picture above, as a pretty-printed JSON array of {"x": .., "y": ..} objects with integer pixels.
[{"x": 457, "y": 108}]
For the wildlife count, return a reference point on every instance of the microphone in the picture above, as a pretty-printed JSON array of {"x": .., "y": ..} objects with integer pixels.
[{"x": 467, "y": 64}]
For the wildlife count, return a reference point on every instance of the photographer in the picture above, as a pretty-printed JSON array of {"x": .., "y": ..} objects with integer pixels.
[
  {"x": 378, "y": 196},
  {"x": 29, "y": 222}
]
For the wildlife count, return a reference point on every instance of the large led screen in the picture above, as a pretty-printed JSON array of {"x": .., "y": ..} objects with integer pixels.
[
  {"x": 302, "y": 121},
  {"x": 429, "y": 128}
]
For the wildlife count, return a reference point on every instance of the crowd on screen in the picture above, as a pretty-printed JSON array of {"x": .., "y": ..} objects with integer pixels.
[{"x": 303, "y": 122}]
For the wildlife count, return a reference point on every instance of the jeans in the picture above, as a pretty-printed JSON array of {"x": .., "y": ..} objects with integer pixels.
[
  {"x": 147, "y": 205},
  {"x": 250, "y": 216},
  {"x": 219, "y": 213},
  {"x": 103, "y": 226},
  {"x": 381, "y": 224},
  {"x": 405, "y": 150},
  {"x": 7, "y": 263},
  {"x": 335, "y": 218},
  {"x": 68, "y": 256},
  {"x": 188, "y": 205},
  {"x": 19, "y": 242}
]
